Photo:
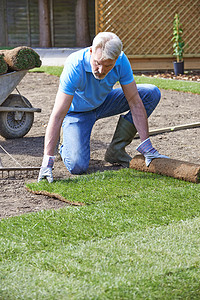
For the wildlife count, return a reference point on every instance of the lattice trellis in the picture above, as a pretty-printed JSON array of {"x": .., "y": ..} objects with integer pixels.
[{"x": 146, "y": 26}]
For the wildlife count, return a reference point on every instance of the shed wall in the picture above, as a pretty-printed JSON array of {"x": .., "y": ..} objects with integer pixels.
[{"x": 19, "y": 22}]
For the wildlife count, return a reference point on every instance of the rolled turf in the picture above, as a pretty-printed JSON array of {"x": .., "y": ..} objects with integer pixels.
[
  {"x": 21, "y": 58},
  {"x": 3, "y": 65},
  {"x": 169, "y": 167}
]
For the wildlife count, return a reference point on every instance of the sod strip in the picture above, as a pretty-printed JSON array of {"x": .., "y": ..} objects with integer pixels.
[
  {"x": 153, "y": 263},
  {"x": 55, "y": 196}
]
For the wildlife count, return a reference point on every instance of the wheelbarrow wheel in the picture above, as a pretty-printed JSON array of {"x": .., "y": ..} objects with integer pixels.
[{"x": 15, "y": 124}]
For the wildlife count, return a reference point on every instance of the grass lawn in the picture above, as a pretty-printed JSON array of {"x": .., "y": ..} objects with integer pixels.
[
  {"x": 137, "y": 237},
  {"x": 167, "y": 84}
]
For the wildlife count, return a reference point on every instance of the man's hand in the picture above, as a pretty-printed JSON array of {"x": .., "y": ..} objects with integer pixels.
[
  {"x": 146, "y": 149},
  {"x": 45, "y": 173},
  {"x": 46, "y": 168}
]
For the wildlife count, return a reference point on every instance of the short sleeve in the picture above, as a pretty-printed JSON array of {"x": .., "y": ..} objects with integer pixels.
[
  {"x": 69, "y": 79},
  {"x": 126, "y": 74}
]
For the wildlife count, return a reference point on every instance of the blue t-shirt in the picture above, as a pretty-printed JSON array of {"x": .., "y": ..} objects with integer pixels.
[{"x": 89, "y": 93}]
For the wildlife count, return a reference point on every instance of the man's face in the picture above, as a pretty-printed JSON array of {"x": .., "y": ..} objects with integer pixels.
[{"x": 100, "y": 68}]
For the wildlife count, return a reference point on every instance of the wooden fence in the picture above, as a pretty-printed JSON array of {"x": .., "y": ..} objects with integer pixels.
[
  {"x": 19, "y": 22},
  {"x": 146, "y": 28}
]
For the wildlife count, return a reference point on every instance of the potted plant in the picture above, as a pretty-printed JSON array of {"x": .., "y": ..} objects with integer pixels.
[{"x": 178, "y": 46}]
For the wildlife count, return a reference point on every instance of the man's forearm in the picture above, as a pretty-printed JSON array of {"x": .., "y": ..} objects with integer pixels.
[
  {"x": 140, "y": 120},
  {"x": 52, "y": 136},
  {"x": 137, "y": 109},
  {"x": 61, "y": 107}
]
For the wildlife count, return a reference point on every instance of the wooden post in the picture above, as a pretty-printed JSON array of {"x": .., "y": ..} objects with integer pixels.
[
  {"x": 82, "y": 24},
  {"x": 171, "y": 129},
  {"x": 44, "y": 22},
  {"x": 3, "y": 25}
]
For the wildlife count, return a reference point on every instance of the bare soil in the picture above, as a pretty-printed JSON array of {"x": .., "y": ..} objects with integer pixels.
[{"x": 175, "y": 108}]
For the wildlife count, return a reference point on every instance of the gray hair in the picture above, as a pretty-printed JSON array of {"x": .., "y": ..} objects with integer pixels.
[{"x": 109, "y": 43}]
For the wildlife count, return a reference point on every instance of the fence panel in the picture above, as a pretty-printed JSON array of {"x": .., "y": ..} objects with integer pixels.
[{"x": 146, "y": 26}]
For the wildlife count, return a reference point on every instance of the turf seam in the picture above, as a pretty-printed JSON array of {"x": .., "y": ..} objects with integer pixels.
[{"x": 55, "y": 196}]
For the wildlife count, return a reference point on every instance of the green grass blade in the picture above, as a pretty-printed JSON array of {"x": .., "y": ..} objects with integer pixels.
[
  {"x": 166, "y": 84},
  {"x": 154, "y": 263},
  {"x": 137, "y": 237}
]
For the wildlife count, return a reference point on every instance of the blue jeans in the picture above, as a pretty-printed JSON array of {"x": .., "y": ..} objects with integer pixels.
[{"x": 77, "y": 127}]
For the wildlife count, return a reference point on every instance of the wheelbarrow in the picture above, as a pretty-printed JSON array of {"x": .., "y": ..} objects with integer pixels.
[
  {"x": 16, "y": 112},
  {"x": 16, "y": 116}
]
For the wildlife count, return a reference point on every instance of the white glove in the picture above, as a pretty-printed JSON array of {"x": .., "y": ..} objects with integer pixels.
[
  {"x": 46, "y": 168},
  {"x": 146, "y": 149}
]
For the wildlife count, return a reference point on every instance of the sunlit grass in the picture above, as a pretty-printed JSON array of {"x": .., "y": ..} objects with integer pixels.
[
  {"x": 166, "y": 84},
  {"x": 136, "y": 237}
]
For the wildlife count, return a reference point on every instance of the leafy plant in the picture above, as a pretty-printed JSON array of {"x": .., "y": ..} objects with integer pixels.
[{"x": 177, "y": 38}]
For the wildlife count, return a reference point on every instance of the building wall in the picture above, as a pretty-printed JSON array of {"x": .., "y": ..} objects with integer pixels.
[
  {"x": 19, "y": 22},
  {"x": 145, "y": 27}
]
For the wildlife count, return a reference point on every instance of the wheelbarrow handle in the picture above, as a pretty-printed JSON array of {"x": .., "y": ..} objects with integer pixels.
[{"x": 23, "y": 109}]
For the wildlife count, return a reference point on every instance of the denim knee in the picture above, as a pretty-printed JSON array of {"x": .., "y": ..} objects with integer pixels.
[
  {"x": 157, "y": 94},
  {"x": 76, "y": 167},
  {"x": 150, "y": 95},
  {"x": 153, "y": 94}
]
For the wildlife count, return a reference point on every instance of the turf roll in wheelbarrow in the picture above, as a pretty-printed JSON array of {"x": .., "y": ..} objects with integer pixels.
[
  {"x": 3, "y": 65},
  {"x": 169, "y": 167},
  {"x": 21, "y": 58}
]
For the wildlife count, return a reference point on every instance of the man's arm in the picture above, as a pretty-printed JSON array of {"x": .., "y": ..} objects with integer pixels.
[
  {"x": 137, "y": 109},
  {"x": 61, "y": 107},
  {"x": 141, "y": 123}
]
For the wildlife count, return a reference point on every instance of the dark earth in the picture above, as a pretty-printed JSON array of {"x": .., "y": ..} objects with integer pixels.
[{"x": 175, "y": 108}]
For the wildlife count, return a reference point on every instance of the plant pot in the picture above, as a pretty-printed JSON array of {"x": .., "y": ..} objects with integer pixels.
[{"x": 178, "y": 67}]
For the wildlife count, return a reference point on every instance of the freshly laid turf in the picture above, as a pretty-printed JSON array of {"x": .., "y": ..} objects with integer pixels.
[
  {"x": 156, "y": 263},
  {"x": 137, "y": 237}
]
